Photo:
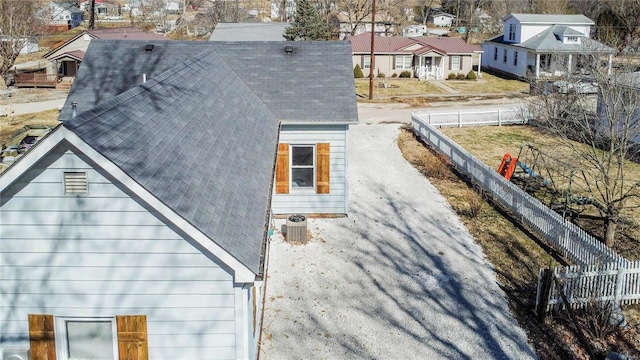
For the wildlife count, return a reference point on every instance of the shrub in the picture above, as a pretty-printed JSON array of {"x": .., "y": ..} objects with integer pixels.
[
  {"x": 394, "y": 75},
  {"x": 471, "y": 75},
  {"x": 451, "y": 76},
  {"x": 461, "y": 76},
  {"x": 381, "y": 75},
  {"x": 357, "y": 72},
  {"x": 405, "y": 74}
]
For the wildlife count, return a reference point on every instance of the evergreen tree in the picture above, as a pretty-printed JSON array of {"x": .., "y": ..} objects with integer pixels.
[{"x": 307, "y": 24}]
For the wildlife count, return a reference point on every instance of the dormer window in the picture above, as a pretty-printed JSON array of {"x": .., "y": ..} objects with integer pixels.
[
  {"x": 512, "y": 32},
  {"x": 571, "y": 39}
]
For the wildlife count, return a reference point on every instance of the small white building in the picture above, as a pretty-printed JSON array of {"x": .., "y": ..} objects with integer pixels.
[{"x": 442, "y": 19}]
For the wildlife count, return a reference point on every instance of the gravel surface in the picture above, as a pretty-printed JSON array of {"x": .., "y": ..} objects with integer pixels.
[{"x": 399, "y": 278}]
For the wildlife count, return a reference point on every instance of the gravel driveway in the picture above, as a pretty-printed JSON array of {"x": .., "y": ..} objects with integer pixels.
[{"x": 399, "y": 278}]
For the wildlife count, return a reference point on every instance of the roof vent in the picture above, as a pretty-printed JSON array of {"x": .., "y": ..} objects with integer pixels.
[
  {"x": 288, "y": 49},
  {"x": 74, "y": 109},
  {"x": 148, "y": 47},
  {"x": 75, "y": 183}
]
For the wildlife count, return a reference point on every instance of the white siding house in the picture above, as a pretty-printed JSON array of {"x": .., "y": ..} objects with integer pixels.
[
  {"x": 308, "y": 198},
  {"x": 539, "y": 45},
  {"x": 102, "y": 250},
  {"x": 442, "y": 19},
  {"x": 144, "y": 217}
]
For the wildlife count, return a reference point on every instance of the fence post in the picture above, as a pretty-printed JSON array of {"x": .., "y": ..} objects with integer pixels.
[
  {"x": 499, "y": 118},
  {"x": 429, "y": 118},
  {"x": 619, "y": 283},
  {"x": 459, "y": 118}
]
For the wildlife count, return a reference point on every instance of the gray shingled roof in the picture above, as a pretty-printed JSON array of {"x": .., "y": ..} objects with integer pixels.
[
  {"x": 183, "y": 136},
  {"x": 554, "y": 19},
  {"x": 249, "y": 32},
  {"x": 550, "y": 40},
  {"x": 313, "y": 83}
]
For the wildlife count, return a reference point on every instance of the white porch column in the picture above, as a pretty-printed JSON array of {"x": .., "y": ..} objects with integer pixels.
[
  {"x": 537, "y": 66},
  {"x": 479, "y": 63},
  {"x": 609, "y": 64},
  {"x": 569, "y": 64}
]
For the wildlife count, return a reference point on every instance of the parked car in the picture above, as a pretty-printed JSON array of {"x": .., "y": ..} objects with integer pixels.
[{"x": 579, "y": 86}]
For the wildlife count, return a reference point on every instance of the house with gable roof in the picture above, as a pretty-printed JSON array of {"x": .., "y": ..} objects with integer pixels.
[
  {"x": 425, "y": 57},
  {"x": 543, "y": 45},
  {"x": 144, "y": 217},
  {"x": 69, "y": 55},
  {"x": 61, "y": 15}
]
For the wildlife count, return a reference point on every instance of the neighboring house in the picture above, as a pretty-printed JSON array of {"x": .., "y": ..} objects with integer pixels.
[
  {"x": 144, "y": 217},
  {"x": 424, "y": 57},
  {"x": 344, "y": 25},
  {"x": 624, "y": 102},
  {"x": 542, "y": 45},
  {"x": 269, "y": 31},
  {"x": 29, "y": 44},
  {"x": 68, "y": 56},
  {"x": 61, "y": 15},
  {"x": 441, "y": 19}
]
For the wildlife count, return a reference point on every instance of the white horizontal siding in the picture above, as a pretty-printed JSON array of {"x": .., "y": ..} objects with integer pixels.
[
  {"x": 305, "y": 202},
  {"x": 104, "y": 254}
]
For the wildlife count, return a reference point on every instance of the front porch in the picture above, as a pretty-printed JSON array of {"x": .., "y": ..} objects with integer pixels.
[
  {"x": 546, "y": 65},
  {"x": 429, "y": 67}
]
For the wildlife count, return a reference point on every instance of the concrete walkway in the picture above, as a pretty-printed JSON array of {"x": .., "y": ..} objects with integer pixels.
[
  {"x": 399, "y": 278},
  {"x": 441, "y": 85}
]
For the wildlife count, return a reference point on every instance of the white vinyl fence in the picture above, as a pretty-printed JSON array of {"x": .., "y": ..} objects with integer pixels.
[
  {"x": 584, "y": 285},
  {"x": 474, "y": 118},
  {"x": 565, "y": 237}
]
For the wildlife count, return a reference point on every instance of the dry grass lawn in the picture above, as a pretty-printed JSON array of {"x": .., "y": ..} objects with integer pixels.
[
  {"x": 9, "y": 125},
  {"x": 490, "y": 143},
  {"x": 398, "y": 87},
  {"x": 489, "y": 84}
]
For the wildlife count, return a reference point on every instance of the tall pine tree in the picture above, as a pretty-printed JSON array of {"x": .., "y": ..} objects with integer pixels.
[{"x": 307, "y": 24}]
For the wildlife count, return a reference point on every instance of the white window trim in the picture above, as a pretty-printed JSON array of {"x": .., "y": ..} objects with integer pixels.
[
  {"x": 292, "y": 188},
  {"x": 364, "y": 61},
  {"x": 62, "y": 342},
  {"x": 400, "y": 65},
  {"x": 456, "y": 65}
]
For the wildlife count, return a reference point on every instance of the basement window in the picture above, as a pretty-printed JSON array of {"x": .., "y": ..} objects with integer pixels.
[{"x": 75, "y": 183}]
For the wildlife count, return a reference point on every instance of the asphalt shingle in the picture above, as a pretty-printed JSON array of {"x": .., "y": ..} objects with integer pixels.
[{"x": 183, "y": 136}]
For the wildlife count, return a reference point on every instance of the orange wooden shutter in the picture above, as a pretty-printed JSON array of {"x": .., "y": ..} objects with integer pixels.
[
  {"x": 42, "y": 337},
  {"x": 132, "y": 337},
  {"x": 322, "y": 168},
  {"x": 282, "y": 169}
]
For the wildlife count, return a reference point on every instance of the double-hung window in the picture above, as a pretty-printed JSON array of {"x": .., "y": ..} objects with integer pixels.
[
  {"x": 403, "y": 62},
  {"x": 515, "y": 58},
  {"x": 86, "y": 338},
  {"x": 512, "y": 32},
  {"x": 495, "y": 54},
  {"x": 366, "y": 61},
  {"x": 302, "y": 166},
  {"x": 504, "y": 55},
  {"x": 455, "y": 62}
]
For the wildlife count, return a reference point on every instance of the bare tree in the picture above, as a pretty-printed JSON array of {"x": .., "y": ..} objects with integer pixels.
[
  {"x": 18, "y": 24},
  {"x": 599, "y": 139},
  {"x": 356, "y": 11}
]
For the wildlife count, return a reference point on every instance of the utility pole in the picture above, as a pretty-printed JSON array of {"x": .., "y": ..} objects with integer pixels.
[
  {"x": 372, "y": 62},
  {"x": 92, "y": 15}
]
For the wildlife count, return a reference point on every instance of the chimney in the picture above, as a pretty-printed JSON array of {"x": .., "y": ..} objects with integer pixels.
[{"x": 288, "y": 49}]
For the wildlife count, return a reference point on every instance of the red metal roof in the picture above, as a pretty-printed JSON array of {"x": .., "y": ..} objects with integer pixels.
[{"x": 397, "y": 44}]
